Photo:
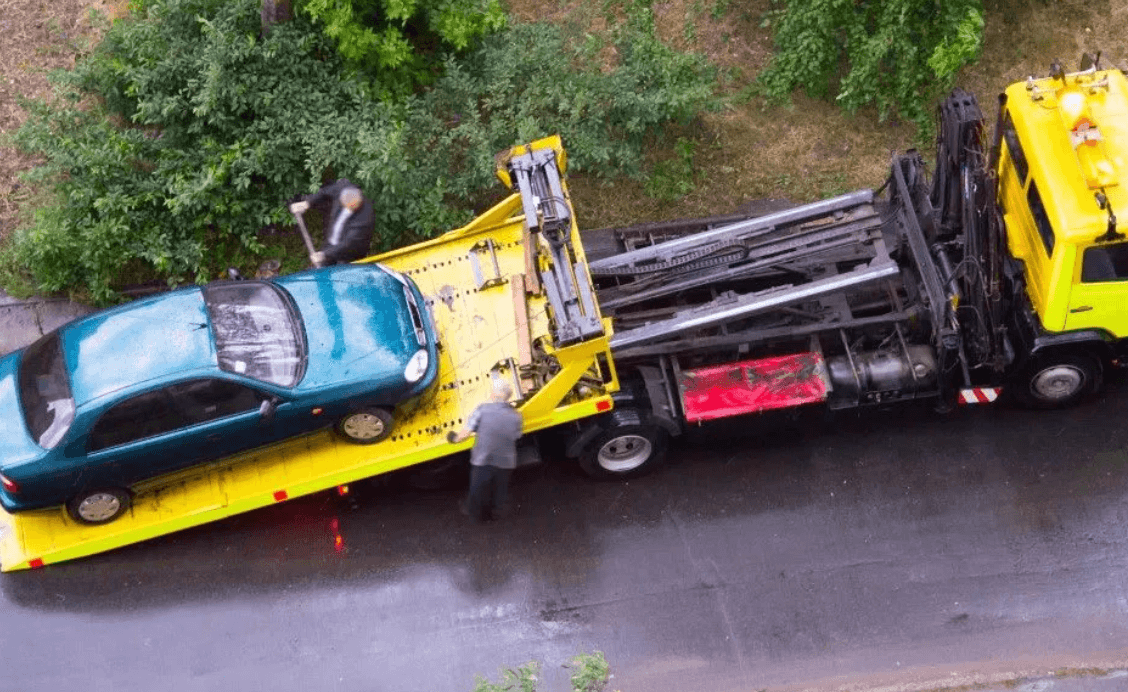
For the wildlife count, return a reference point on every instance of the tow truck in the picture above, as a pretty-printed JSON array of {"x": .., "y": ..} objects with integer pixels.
[{"x": 1002, "y": 273}]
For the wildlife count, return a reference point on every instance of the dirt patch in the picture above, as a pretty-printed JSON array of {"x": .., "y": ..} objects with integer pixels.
[{"x": 36, "y": 37}]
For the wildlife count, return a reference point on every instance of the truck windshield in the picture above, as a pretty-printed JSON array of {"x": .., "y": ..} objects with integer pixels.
[
  {"x": 45, "y": 392},
  {"x": 256, "y": 333}
]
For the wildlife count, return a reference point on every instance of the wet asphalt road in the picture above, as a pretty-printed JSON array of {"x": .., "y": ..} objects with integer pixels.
[{"x": 769, "y": 553}]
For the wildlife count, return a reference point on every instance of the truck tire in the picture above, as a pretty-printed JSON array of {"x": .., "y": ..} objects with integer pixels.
[
  {"x": 1057, "y": 380},
  {"x": 624, "y": 450}
]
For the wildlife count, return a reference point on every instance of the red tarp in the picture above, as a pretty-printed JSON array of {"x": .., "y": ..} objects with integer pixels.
[{"x": 747, "y": 386}]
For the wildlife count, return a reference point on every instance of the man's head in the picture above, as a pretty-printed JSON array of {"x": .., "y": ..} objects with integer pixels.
[
  {"x": 501, "y": 390},
  {"x": 351, "y": 198}
]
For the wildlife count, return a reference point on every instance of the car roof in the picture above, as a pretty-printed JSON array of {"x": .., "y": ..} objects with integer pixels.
[{"x": 142, "y": 341}]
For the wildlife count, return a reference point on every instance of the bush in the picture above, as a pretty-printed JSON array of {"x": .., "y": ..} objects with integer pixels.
[
  {"x": 400, "y": 42},
  {"x": 898, "y": 55},
  {"x": 200, "y": 130}
]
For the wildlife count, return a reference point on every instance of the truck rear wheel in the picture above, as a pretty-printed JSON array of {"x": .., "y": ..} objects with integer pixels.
[
  {"x": 1057, "y": 381},
  {"x": 624, "y": 451}
]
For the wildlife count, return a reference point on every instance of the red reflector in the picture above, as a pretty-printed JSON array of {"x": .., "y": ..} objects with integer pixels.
[
  {"x": 280, "y": 495},
  {"x": 342, "y": 490},
  {"x": 36, "y": 563},
  {"x": 602, "y": 405},
  {"x": 9, "y": 484}
]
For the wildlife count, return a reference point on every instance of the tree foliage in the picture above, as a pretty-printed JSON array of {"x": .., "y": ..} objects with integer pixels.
[
  {"x": 183, "y": 135},
  {"x": 400, "y": 42},
  {"x": 896, "y": 54}
]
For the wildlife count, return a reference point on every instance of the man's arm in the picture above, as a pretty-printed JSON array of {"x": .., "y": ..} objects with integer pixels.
[
  {"x": 328, "y": 193},
  {"x": 468, "y": 429}
]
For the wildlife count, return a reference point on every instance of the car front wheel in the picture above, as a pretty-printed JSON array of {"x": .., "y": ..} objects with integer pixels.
[
  {"x": 366, "y": 426},
  {"x": 99, "y": 506}
]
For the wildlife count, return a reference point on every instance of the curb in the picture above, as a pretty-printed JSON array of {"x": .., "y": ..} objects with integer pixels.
[{"x": 24, "y": 321}]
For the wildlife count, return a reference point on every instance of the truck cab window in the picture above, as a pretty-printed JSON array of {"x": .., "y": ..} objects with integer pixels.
[
  {"x": 1018, "y": 156},
  {"x": 1041, "y": 220},
  {"x": 1105, "y": 263}
]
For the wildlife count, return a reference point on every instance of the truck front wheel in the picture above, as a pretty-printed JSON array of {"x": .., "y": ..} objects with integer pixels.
[
  {"x": 624, "y": 451},
  {"x": 1057, "y": 381}
]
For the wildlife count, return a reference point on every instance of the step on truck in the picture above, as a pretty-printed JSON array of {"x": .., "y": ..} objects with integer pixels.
[
  {"x": 1005, "y": 274},
  {"x": 510, "y": 298}
]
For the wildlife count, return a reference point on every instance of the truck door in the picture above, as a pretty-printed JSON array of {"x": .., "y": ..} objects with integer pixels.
[{"x": 1099, "y": 295}]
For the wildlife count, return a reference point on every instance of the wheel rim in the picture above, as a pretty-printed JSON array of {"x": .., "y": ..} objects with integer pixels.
[
  {"x": 99, "y": 507},
  {"x": 1058, "y": 382},
  {"x": 624, "y": 453},
  {"x": 364, "y": 426}
]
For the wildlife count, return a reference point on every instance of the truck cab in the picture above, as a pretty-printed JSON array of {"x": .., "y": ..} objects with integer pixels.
[{"x": 1062, "y": 171}]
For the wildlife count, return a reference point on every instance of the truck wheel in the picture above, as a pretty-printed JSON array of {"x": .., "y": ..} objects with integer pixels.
[
  {"x": 1057, "y": 381},
  {"x": 366, "y": 426},
  {"x": 99, "y": 506},
  {"x": 624, "y": 451}
]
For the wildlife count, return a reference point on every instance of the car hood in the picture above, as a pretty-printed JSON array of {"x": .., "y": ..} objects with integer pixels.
[
  {"x": 357, "y": 324},
  {"x": 16, "y": 445}
]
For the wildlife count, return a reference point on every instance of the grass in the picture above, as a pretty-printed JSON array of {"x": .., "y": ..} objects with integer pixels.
[{"x": 809, "y": 149}]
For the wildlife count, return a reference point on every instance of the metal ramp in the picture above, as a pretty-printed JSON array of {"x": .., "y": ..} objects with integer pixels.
[{"x": 788, "y": 273}]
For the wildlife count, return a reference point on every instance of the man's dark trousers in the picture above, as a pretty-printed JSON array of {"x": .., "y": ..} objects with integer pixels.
[{"x": 489, "y": 488}]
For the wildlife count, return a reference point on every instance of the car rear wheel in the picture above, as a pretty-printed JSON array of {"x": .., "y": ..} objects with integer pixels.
[
  {"x": 99, "y": 506},
  {"x": 366, "y": 426}
]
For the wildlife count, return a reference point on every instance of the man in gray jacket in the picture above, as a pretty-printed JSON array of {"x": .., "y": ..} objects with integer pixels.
[{"x": 497, "y": 427}]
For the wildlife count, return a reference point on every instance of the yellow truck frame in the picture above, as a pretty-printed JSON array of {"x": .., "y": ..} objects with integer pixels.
[{"x": 510, "y": 296}]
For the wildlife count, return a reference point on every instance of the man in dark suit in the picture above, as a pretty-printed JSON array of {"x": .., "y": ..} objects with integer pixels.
[{"x": 349, "y": 226}]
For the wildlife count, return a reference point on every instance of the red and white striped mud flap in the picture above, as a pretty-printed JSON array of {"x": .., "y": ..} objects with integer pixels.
[{"x": 980, "y": 395}]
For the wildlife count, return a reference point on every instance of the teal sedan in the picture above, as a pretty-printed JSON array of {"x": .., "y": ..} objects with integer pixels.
[{"x": 201, "y": 373}]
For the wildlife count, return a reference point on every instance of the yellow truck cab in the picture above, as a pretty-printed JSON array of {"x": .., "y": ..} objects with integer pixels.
[{"x": 1062, "y": 176}]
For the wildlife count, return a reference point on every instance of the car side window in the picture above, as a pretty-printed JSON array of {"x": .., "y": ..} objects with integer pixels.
[
  {"x": 203, "y": 400},
  {"x": 144, "y": 415}
]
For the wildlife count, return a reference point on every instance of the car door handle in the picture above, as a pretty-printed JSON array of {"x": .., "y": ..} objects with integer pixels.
[
  {"x": 1083, "y": 308},
  {"x": 214, "y": 438}
]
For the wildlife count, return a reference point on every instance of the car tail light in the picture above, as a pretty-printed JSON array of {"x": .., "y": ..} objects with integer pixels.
[{"x": 9, "y": 484}]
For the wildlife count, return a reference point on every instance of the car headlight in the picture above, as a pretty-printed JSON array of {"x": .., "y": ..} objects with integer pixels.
[{"x": 416, "y": 367}]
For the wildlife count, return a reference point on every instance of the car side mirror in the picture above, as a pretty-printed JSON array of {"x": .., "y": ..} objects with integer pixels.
[{"x": 267, "y": 409}]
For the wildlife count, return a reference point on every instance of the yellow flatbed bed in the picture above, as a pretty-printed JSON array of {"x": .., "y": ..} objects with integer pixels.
[{"x": 492, "y": 321}]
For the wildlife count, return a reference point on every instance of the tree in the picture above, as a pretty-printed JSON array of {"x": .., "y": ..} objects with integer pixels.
[
  {"x": 898, "y": 55},
  {"x": 274, "y": 12},
  {"x": 401, "y": 43}
]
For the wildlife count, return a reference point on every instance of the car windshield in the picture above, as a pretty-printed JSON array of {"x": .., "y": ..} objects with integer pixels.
[
  {"x": 256, "y": 333},
  {"x": 45, "y": 392}
]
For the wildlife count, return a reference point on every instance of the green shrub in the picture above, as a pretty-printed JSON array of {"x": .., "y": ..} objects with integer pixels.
[
  {"x": 400, "y": 42},
  {"x": 898, "y": 55},
  {"x": 200, "y": 130}
]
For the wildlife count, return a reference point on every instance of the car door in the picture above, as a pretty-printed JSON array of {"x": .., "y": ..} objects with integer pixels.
[
  {"x": 223, "y": 417},
  {"x": 174, "y": 427},
  {"x": 135, "y": 439}
]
